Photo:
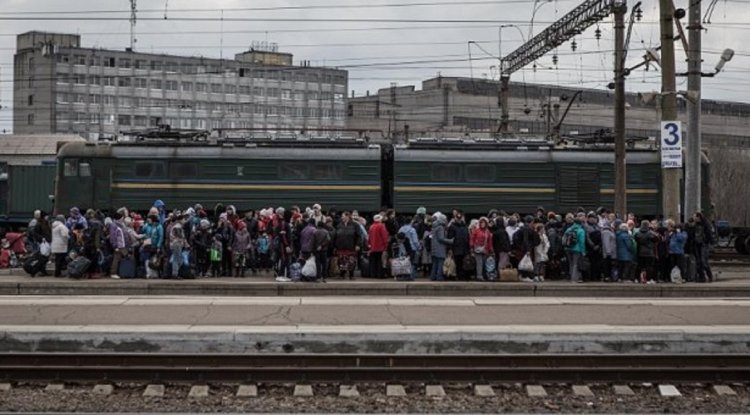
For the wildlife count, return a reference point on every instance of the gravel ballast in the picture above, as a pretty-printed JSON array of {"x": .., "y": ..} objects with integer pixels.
[{"x": 460, "y": 398}]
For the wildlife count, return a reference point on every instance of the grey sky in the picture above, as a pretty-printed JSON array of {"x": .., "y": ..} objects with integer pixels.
[{"x": 364, "y": 52}]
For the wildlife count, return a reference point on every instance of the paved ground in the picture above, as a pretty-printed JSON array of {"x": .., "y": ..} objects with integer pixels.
[{"x": 363, "y": 311}]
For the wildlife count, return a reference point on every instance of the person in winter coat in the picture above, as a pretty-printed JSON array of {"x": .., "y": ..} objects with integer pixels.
[
  {"x": 76, "y": 218},
  {"x": 458, "y": 231},
  {"x": 480, "y": 243},
  {"x": 677, "y": 240},
  {"x": 241, "y": 244},
  {"x": 119, "y": 249},
  {"x": 321, "y": 243},
  {"x": 609, "y": 250},
  {"x": 201, "y": 240},
  {"x": 153, "y": 234},
  {"x": 177, "y": 243},
  {"x": 161, "y": 211},
  {"x": 703, "y": 238},
  {"x": 574, "y": 241},
  {"x": 347, "y": 243},
  {"x": 307, "y": 239},
  {"x": 413, "y": 240},
  {"x": 646, "y": 240},
  {"x": 439, "y": 246},
  {"x": 378, "y": 243},
  {"x": 225, "y": 232},
  {"x": 625, "y": 253},
  {"x": 541, "y": 253},
  {"x": 59, "y": 244},
  {"x": 500, "y": 242}
]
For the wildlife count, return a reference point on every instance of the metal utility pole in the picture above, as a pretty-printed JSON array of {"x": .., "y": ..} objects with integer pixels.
[
  {"x": 621, "y": 193},
  {"x": 670, "y": 177},
  {"x": 132, "y": 23},
  {"x": 693, "y": 143}
]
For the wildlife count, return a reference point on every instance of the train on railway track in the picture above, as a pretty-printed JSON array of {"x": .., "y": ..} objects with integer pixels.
[{"x": 253, "y": 170}]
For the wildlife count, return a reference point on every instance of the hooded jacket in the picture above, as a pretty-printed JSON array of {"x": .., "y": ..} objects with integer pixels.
[
  {"x": 440, "y": 242},
  {"x": 625, "y": 246},
  {"x": 646, "y": 240},
  {"x": 59, "y": 244},
  {"x": 378, "y": 237},
  {"x": 461, "y": 240},
  {"x": 307, "y": 238}
]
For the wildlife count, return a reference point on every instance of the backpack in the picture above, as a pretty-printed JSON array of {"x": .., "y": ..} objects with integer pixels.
[
  {"x": 263, "y": 245},
  {"x": 570, "y": 238}
]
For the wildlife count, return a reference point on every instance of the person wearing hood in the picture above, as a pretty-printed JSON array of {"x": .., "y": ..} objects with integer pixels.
[
  {"x": 59, "y": 243},
  {"x": 76, "y": 218},
  {"x": 500, "y": 242},
  {"x": 626, "y": 251},
  {"x": 439, "y": 246},
  {"x": 161, "y": 211},
  {"x": 593, "y": 246},
  {"x": 377, "y": 244},
  {"x": 574, "y": 241},
  {"x": 321, "y": 244},
  {"x": 317, "y": 214},
  {"x": 241, "y": 244},
  {"x": 307, "y": 238},
  {"x": 481, "y": 246},
  {"x": 117, "y": 241},
  {"x": 347, "y": 242},
  {"x": 609, "y": 250},
  {"x": 407, "y": 229},
  {"x": 225, "y": 232},
  {"x": 646, "y": 240},
  {"x": 702, "y": 240},
  {"x": 677, "y": 238},
  {"x": 177, "y": 243},
  {"x": 459, "y": 232},
  {"x": 153, "y": 235}
]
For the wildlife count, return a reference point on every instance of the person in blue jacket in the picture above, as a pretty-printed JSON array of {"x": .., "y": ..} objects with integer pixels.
[
  {"x": 574, "y": 241},
  {"x": 677, "y": 240},
  {"x": 625, "y": 253}
]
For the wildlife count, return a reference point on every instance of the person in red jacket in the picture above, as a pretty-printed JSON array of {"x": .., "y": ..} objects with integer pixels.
[
  {"x": 480, "y": 243},
  {"x": 378, "y": 243}
]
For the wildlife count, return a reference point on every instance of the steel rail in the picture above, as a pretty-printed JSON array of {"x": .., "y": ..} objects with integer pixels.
[{"x": 368, "y": 368}]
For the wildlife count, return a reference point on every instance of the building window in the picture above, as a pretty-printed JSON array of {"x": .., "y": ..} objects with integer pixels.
[
  {"x": 80, "y": 60},
  {"x": 156, "y": 65},
  {"x": 109, "y": 100},
  {"x": 140, "y": 121},
  {"x": 123, "y": 119},
  {"x": 31, "y": 119},
  {"x": 108, "y": 81},
  {"x": 216, "y": 88},
  {"x": 126, "y": 102},
  {"x": 201, "y": 87},
  {"x": 244, "y": 89},
  {"x": 124, "y": 82},
  {"x": 124, "y": 63},
  {"x": 95, "y": 80},
  {"x": 171, "y": 66},
  {"x": 141, "y": 83},
  {"x": 79, "y": 79},
  {"x": 95, "y": 60},
  {"x": 140, "y": 64},
  {"x": 156, "y": 84},
  {"x": 94, "y": 118},
  {"x": 61, "y": 98},
  {"x": 231, "y": 89},
  {"x": 31, "y": 100},
  {"x": 108, "y": 119},
  {"x": 286, "y": 94},
  {"x": 258, "y": 91},
  {"x": 187, "y": 86},
  {"x": 95, "y": 99},
  {"x": 109, "y": 62},
  {"x": 170, "y": 85}
]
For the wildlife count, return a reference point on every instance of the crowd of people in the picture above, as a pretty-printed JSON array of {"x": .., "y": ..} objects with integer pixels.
[{"x": 312, "y": 244}]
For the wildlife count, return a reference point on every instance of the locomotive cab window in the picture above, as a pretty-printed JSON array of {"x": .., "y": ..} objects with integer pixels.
[
  {"x": 70, "y": 168},
  {"x": 183, "y": 169},
  {"x": 150, "y": 169},
  {"x": 327, "y": 172},
  {"x": 446, "y": 173},
  {"x": 84, "y": 169},
  {"x": 479, "y": 173},
  {"x": 293, "y": 171}
]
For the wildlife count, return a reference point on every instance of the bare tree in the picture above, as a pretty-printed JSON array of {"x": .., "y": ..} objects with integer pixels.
[{"x": 730, "y": 184}]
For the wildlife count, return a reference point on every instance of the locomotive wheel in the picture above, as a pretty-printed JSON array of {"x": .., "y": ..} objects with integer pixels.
[{"x": 742, "y": 243}]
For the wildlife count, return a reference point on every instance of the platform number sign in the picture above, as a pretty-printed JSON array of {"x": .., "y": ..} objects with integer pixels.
[{"x": 671, "y": 145}]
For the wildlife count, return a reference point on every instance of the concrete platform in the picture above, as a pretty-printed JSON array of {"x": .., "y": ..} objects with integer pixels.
[
  {"x": 373, "y": 325},
  {"x": 729, "y": 284}
]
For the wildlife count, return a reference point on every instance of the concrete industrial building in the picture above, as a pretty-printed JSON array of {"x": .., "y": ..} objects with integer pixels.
[
  {"x": 457, "y": 105},
  {"x": 61, "y": 87}
]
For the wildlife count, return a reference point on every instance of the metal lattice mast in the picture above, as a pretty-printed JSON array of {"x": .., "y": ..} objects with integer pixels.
[
  {"x": 576, "y": 21},
  {"x": 132, "y": 23}
]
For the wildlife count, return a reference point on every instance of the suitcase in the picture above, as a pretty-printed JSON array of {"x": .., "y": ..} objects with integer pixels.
[
  {"x": 364, "y": 267},
  {"x": 34, "y": 264},
  {"x": 78, "y": 267},
  {"x": 509, "y": 275},
  {"x": 127, "y": 268}
]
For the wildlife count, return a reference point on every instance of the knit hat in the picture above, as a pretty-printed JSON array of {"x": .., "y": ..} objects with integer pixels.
[
  {"x": 421, "y": 210},
  {"x": 377, "y": 218}
]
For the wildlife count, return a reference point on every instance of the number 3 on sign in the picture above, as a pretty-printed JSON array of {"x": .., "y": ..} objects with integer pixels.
[{"x": 671, "y": 134}]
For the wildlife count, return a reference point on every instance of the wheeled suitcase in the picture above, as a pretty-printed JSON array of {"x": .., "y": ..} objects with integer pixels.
[
  {"x": 78, "y": 267},
  {"x": 127, "y": 267},
  {"x": 35, "y": 264}
]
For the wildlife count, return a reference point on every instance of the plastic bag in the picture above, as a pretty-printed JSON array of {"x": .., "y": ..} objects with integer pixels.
[
  {"x": 310, "y": 269},
  {"x": 401, "y": 266},
  {"x": 490, "y": 265},
  {"x": 44, "y": 248},
  {"x": 526, "y": 265},
  {"x": 449, "y": 266},
  {"x": 676, "y": 275}
]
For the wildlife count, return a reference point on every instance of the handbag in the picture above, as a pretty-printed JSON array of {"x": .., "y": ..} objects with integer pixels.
[
  {"x": 401, "y": 266},
  {"x": 509, "y": 275},
  {"x": 470, "y": 263},
  {"x": 526, "y": 265}
]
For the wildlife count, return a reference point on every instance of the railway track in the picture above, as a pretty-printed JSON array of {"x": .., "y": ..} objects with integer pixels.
[{"x": 121, "y": 367}]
